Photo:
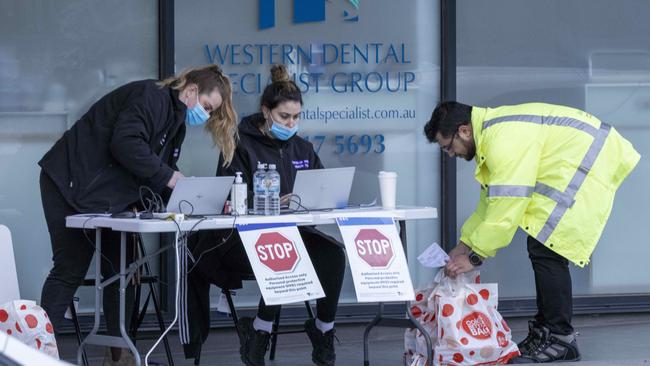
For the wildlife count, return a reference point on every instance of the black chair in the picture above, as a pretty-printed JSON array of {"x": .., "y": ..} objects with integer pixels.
[
  {"x": 276, "y": 322},
  {"x": 138, "y": 312}
]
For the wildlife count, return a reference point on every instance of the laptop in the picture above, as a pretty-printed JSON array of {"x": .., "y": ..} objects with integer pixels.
[
  {"x": 200, "y": 195},
  {"x": 320, "y": 189}
]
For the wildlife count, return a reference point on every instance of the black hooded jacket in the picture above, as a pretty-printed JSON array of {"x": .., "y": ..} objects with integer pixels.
[
  {"x": 131, "y": 137},
  {"x": 289, "y": 156}
]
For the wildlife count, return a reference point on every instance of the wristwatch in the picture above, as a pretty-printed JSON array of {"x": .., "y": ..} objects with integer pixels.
[{"x": 475, "y": 259}]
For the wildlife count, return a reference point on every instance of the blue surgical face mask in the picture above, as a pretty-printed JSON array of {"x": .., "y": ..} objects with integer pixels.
[
  {"x": 282, "y": 132},
  {"x": 196, "y": 115}
]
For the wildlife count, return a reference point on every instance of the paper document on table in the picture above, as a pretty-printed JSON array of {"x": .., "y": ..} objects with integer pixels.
[{"x": 433, "y": 257}]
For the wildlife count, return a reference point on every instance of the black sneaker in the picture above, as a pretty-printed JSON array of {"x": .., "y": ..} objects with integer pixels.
[
  {"x": 253, "y": 343},
  {"x": 323, "y": 353},
  {"x": 531, "y": 339},
  {"x": 549, "y": 348}
]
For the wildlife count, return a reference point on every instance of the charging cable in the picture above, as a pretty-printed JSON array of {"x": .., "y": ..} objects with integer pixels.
[{"x": 178, "y": 219}]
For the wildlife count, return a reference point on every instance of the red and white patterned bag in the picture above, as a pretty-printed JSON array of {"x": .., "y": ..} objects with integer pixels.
[
  {"x": 469, "y": 329},
  {"x": 462, "y": 319},
  {"x": 28, "y": 322}
]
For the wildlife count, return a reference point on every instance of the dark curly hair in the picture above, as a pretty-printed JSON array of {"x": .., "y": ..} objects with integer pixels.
[{"x": 446, "y": 119}]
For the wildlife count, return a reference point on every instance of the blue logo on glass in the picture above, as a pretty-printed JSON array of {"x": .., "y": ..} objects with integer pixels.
[{"x": 304, "y": 11}]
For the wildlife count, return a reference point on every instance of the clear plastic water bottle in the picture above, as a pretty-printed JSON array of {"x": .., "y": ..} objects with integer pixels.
[
  {"x": 260, "y": 204},
  {"x": 273, "y": 190}
]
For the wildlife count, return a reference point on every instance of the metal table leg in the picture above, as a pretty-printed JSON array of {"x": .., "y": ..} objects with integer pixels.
[
  {"x": 123, "y": 285},
  {"x": 409, "y": 322},
  {"x": 366, "y": 333},
  {"x": 105, "y": 340},
  {"x": 98, "y": 295}
]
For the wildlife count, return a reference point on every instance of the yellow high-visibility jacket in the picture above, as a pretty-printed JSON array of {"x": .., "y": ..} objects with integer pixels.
[{"x": 549, "y": 169}]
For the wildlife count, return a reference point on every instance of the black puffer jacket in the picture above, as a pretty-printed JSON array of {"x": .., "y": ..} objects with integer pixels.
[{"x": 129, "y": 138}]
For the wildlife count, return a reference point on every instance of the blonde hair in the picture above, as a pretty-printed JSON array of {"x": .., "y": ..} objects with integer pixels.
[{"x": 222, "y": 124}]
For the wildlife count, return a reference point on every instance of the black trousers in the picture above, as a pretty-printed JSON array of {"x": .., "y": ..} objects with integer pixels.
[
  {"x": 72, "y": 252},
  {"x": 553, "y": 285},
  {"x": 227, "y": 263}
]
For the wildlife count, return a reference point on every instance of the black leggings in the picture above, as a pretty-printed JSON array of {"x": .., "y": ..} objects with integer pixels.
[
  {"x": 72, "y": 252},
  {"x": 553, "y": 285},
  {"x": 328, "y": 258}
]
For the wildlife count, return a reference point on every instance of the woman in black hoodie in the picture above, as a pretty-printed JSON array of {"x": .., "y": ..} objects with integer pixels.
[{"x": 270, "y": 137}]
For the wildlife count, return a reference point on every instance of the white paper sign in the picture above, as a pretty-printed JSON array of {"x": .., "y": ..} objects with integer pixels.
[
  {"x": 377, "y": 259},
  {"x": 433, "y": 257},
  {"x": 281, "y": 264}
]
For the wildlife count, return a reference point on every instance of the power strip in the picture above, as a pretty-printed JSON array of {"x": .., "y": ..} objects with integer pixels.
[{"x": 166, "y": 216}]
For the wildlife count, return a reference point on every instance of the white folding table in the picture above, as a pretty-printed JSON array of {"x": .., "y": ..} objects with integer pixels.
[{"x": 99, "y": 222}]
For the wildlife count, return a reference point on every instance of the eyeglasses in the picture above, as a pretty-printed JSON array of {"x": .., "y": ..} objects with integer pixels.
[{"x": 447, "y": 148}]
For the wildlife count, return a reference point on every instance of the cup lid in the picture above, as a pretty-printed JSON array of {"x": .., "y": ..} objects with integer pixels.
[{"x": 387, "y": 174}]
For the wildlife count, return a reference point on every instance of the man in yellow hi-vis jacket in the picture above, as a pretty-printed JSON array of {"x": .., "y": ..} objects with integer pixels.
[{"x": 550, "y": 170}]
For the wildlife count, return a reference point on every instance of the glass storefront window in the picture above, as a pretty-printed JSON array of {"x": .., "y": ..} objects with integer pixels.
[
  {"x": 574, "y": 57},
  {"x": 56, "y": 59},
  {"x": 369, "y": 76}
]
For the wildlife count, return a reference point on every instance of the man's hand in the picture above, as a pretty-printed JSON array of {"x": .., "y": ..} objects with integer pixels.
[
  {"x": 457, "y": 265},
  {"x": 460, "y": 249},
  {"x": 175, "y": 177}
]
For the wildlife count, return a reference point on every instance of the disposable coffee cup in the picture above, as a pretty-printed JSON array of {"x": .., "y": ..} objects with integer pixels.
[{"x": 388, "y": 188}]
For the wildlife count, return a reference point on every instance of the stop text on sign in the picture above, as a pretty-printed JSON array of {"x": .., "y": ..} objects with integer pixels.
[
  {"x": 373, "y": 247},
  {"x": 276, "y": 252}
]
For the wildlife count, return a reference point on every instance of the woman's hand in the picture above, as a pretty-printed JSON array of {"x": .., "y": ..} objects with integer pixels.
[
  {"x": 284, "y": 200},
  {"x": 175, "y": 177}
]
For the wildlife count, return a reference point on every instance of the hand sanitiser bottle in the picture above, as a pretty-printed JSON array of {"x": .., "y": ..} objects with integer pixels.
[
  {"x": 239, "y": 196},
  {"x": 260, "y": 205}
]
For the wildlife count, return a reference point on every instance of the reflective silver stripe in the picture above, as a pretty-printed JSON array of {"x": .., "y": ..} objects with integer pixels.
[
  {"x": 554, "y": 194},
  {"x": 545, "y": 120},
  {"x": 588, "y": 160},
  {"x": 510, "y": 191},
  {"x": 577, "y": 180}
]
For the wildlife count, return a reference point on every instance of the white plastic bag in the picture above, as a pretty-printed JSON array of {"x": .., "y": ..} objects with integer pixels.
[
  {"x": 469, "y": 329},
  {"x": 28, "y": 322}
]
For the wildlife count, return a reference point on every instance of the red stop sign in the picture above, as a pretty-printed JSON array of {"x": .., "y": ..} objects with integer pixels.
[
  {"x": 374, "y": 247},
  {"x": 276, "y": 252}
]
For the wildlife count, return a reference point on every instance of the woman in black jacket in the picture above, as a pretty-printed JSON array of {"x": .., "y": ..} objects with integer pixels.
[
  {"x": 270, "y": 137},
  {"x": 130, "y": 138}
]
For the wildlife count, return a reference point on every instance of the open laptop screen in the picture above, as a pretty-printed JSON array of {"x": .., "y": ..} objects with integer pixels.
[
  {"x": 317, "y": 189},
  {"x": 200, "y": 195}
]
